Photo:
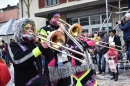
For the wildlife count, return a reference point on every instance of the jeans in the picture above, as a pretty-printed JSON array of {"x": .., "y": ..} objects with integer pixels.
[
  {"x": 128, "y": 50},
  {"x": 101, "y": 67},
  {"x": 6, "y": 58}
]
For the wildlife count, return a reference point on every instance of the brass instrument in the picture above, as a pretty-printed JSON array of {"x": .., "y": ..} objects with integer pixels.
[
  {"x": 56, "y": 40},
  {"x": 74, "y": 31},
  {"x": 97, "y": 41}
]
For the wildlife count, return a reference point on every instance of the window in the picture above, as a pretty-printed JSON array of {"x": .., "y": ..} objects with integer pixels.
[
  {"x": 95, "y": 29},
  {"x": 51, "y": 2},
  {"x": 95, "y": 20},
  {"x": 74, "y": 21},
  {"x": 84, "y": 21},
  {"x": 104, "y": 17}
]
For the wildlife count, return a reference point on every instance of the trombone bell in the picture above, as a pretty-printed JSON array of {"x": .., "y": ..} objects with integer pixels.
[
  {"x": 57, "y": 37},
  {"x": 75, "y": 30}
]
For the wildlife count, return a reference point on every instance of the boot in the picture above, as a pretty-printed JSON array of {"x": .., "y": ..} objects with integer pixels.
[
  {"x": 117, "y": 69},
  {"x": 113, "y": 75},
  {"x": 116, "y": 77}
]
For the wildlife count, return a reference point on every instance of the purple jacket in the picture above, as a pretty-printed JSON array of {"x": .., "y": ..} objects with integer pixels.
[{"x": 100, "y": 46}]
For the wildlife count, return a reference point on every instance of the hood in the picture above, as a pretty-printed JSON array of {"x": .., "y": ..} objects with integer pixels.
[
  {"x": 18, "y": 26},
  {"x": 100, "y": 31}
]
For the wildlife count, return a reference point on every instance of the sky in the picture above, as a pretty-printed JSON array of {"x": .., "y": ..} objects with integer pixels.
[{"x": 4, "y": 3}]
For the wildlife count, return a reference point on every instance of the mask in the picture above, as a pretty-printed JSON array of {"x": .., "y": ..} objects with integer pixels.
[{"x": 27, "y": 37}]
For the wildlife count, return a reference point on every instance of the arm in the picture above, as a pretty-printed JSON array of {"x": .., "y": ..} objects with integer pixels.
[
  {"x": 116, "y": 54},
  {"x": 105, "y": 39},
  {"x": 23, "y": 58},
  {"x": 125, "y": 27},
  {"x": 118, "y": 42}
]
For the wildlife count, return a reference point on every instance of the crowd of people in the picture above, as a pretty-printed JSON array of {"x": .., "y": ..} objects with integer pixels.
[{"x": 37, "y": 64}]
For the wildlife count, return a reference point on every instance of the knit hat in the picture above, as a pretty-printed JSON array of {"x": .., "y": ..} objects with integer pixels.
[
  {"x": 114, "y": 31},
  {"x": 127, "y": 15},
  {"x": 51, "y": 14},
  {"x": 112, "y": 44}
]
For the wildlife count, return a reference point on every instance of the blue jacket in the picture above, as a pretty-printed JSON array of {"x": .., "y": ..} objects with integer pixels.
[{"x": 126, "y": 30}]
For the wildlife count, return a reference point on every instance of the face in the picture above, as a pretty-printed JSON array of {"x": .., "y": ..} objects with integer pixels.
[
  {"x": 100, "y": 33},
  {"x": 28, "y": 29},
  {"x": 126, "y": 18},
  {"x": 54, "y": 19},
  {"x": 112, "y": 34}
]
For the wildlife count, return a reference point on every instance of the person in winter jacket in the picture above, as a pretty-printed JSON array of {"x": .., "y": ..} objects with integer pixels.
[
  {"x": 126, "y": 32},
  {"x": 26, "y": 54},
  {"x": 101, "y": 51},
  {"x": 112, "y": 54}
]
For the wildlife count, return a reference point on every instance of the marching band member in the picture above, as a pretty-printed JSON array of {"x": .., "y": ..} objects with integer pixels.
[
  {"x": 84, "y": 75},
  {"x": 26, "y": 56},
  {"x": 60, "y": 66}
]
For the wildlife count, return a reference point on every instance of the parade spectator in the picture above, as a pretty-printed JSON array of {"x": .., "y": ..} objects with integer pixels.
[
  {"x": 101, "y": 51},
  {"x": 4, "y": 72},
  {"x": 126, "y": 31},
  {"x": 112, "y": 58}
]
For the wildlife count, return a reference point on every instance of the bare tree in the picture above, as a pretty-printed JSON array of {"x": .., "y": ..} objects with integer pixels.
[{"x": 28, "y": 3}]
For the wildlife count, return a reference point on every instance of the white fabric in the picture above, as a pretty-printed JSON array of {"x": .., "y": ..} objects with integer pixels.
[
  {"x": 111, "y": 39},
  {"x": 112, "y": 44}
]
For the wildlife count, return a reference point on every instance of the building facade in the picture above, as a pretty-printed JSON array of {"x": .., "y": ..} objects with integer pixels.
[
  {"x": 9, "y": 12},
  {"x": 7, "y": 16},
  {"x": 89, "y": 13}
]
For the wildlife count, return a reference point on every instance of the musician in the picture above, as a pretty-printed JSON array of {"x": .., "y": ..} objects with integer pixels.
[
  {"x": 60, "y": 66},
  {"x": 126, "y": 31},
  {"x": 84, "y": 75},
  {"x": 26, "y": 56}
]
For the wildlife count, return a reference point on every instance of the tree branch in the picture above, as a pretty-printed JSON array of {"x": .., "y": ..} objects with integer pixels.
[
  {"x": 30, "y": 2},
  {"x": 25, "y": 3}
]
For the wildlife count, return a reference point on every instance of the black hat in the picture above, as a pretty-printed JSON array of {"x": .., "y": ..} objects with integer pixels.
[
  {"x": 51, "y": 14},
  {"x": 114, "y": 31}
]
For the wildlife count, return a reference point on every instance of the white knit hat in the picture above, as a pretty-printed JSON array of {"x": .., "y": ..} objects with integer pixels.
[
  {"x": 112, "y": 44},
  {"x": 127, "y": 15}
]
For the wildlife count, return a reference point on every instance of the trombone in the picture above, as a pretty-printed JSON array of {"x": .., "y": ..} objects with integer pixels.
[
  {"x": 55, "y": 40},
  {"x": 97, "y": 43},
  {"x": 74, "y": 31}
]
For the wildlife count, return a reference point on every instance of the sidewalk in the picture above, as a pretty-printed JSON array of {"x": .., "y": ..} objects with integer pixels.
[{"x": 123, "y": 80}]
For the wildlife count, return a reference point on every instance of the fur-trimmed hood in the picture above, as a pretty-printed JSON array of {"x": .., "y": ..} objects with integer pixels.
[{"x": 18, "y": 26}]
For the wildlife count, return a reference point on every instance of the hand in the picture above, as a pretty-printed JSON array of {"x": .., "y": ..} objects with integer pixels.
[
  {"x": 36, "y": 39},
  {"x": 119, "y": 22},
  {"x": 98, "y": 50},
  {"x": 44, "y": 45}
]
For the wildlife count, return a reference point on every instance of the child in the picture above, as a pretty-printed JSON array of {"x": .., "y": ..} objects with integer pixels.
[{"x": 112, "y": 54}]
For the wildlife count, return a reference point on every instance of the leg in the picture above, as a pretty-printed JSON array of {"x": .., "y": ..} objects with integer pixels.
[
  {"x": 103, "y": 63},
  {"x": 116, "y": 74},
  {"x": 99, "y": 63}
]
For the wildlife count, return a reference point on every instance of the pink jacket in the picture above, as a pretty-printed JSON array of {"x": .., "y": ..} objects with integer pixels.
[{"x": 113, "y": 54}]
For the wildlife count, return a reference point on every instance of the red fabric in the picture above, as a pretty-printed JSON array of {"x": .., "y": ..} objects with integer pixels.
[
  {"x": 4, "y": 74},
  {"x": 113, "y": 53},
  {"x": 6, "y": 49}
]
